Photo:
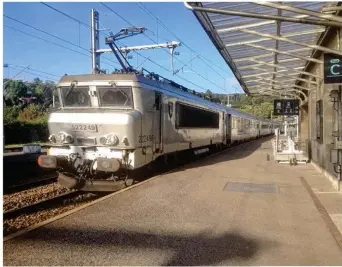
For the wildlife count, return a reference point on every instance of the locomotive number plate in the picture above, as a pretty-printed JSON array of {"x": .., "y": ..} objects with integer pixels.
[{"x": 84, "y": 127}]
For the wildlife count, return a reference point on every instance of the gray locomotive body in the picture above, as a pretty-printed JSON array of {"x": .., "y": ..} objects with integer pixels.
[{"x": 111, "y": 124}]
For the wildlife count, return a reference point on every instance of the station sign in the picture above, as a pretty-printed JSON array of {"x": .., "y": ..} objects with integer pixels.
[
  {"x": 286, "y": 107},
  {"x": 332, "y": 68}
]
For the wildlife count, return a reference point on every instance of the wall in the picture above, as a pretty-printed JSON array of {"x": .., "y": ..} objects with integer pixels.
[{"x": 320, "y": 151}]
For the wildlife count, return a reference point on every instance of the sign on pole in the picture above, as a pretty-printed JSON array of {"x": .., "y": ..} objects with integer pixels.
[
  {"x": 286, "y": 107},
  {"x": 332, "y": 68}
]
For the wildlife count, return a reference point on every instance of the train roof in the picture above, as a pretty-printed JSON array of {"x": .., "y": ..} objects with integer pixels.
[{"x": 166, "y": 86}]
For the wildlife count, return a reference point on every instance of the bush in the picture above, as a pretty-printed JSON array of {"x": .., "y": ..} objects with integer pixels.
[
  {"x": 25, "y": 132},
  {"x": 25, "y": 126},
  {"x": 30, "y": 113},
  {"x": 11, "y": 114}
]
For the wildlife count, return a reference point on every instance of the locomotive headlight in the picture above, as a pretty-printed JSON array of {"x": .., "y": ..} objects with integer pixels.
[
  {"x": 69, "y": 139},
  {"x": 112, "y": 140},
  {"x": 61, "y": 137},
  {"x": 64, "y": 138},
  {"x": 52, "y": 138},
  {"x": 103, "y": 140},
  {"x": 109, "y": 140}
]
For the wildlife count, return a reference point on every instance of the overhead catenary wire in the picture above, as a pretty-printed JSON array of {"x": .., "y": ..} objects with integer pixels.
[
  {"x": 198, "y": 55},
  {"x": 156, "y": 43},
  {"x": 88, "y": 26},
  {"x": 147, "y": 11},
  {"x": 52, "y": 35},
  {"x": 39, "y": 75},
  {"x": 34, "y": 70},
  {"x": 48, "y": 41}
]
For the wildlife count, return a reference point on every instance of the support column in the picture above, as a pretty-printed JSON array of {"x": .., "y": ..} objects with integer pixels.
[
  {"x": 304, "y": 124},
  {"x": 95, "y": 41}
]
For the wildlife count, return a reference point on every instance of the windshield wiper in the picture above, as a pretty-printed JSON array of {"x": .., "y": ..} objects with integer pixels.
[{"x": 70, "y": 89}]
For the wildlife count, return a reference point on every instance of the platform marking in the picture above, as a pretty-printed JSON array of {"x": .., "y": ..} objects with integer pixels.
[
  {"x": 327, "y": 192},
  {"x": 250, "y": 187},
  {"x": 38, "y": 225},
  {"x": 325, "y": 215}
]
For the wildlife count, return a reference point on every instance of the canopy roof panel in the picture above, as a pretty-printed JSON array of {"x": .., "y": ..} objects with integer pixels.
[{"x": 267, "y": 45}]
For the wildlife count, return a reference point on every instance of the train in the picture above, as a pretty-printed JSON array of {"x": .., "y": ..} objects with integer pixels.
[{"x": 110, "y": 126}]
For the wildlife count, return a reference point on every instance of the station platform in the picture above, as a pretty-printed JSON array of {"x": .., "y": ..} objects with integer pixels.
[{"x": 235, "y": 208}]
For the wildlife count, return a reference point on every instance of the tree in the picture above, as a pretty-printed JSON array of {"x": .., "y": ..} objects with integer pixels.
[
  {"x": 14, "y": 89},
  {"x": 208, "y": 94},
  {"x": 37, "y": 87},
  {"x": 46, "y": 96}
]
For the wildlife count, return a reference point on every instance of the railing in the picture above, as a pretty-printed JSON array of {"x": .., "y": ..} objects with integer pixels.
[{"x": 288, "y": 150}]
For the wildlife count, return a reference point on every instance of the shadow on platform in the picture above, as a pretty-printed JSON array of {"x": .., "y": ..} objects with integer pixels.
[
  {"x": 201, "y": 249},
  {"x": 234, "y": 153}
]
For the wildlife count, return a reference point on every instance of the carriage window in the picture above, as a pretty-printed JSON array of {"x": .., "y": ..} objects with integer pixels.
[
  {"x": 193, "y": 117},
  {"x": 115, "y": 96},
  {"x": 75, "y": 96}
]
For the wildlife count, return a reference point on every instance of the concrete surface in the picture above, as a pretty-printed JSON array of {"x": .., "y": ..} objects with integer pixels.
[{"x": 186, "y": 218}]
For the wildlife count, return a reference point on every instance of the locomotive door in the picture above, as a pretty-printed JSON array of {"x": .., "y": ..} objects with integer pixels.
[
  {"x": 157, "y": 123},
  {"x": 229, "y": 128}
]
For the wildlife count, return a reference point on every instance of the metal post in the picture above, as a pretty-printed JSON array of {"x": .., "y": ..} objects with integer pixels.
[
  {"x": 339, "y": 117},
  {"x": 95, "y": 41},
  {"x": 171, "y": 52}
]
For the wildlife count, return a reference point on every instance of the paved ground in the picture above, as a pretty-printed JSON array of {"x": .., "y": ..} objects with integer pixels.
[{"x": 188, "y": 218}]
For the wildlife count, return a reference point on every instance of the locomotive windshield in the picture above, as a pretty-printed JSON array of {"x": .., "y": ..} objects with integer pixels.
[
  {"x": 115, "y": 96},
  {"x": 75, "y": 96}
]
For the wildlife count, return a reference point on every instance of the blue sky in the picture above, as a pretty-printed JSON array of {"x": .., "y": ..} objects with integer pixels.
[{"x": 23, "y": 50}]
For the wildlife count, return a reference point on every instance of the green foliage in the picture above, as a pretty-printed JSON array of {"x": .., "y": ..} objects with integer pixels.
[
  {"x": 13, "y": 90},
  {"x": 261, "y": 106},
  {"x": 16, "y": 89},
  {"x": 263, "y": 109},
  {"x": 25, "y": 122},
  {"x": 31, "y": 113},
  {"x": 11, "y": 114}
]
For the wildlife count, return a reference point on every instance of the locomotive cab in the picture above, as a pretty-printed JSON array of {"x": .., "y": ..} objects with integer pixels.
[{"x": 95, "y": 133}]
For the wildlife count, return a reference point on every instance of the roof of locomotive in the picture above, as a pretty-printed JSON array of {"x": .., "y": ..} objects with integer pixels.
[{"x": 159, "y": 85}]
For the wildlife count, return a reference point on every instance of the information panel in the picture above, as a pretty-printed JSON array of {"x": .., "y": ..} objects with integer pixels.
[
  {"x": 286, "y": 107},
  {"x": 332, "y": 68}
]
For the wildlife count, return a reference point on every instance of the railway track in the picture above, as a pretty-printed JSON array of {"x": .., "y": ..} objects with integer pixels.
[
  {"x": 46, "y": 203},
  {"x": 31, "y": 183}
]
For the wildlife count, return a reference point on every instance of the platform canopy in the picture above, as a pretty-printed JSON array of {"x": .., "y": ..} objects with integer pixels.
[{"x": 268, "y": 45}]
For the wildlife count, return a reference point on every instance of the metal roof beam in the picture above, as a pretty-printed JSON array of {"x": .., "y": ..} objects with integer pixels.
[
  {"x": 277, "y": 82},
  {"x": 281, "y": 67},
  {"x": 283, "y": 89},
  {"x": 263, "y": 16},
  {"x": 268, "y": 73},
  {"x": 268, "y": 55},
  {"x": 272, "y": 92},
  {"x": 283, "y": 85},
  {"x": 280, "y": 86},
  {"x": 283, "y": 76},
  {"x": 252, "y": 25},
  {"x": 290, "y": 90},
  {"x": 284, "y": 39},
  {"x": 255, "y": 57},
  {"x": 262, "y": 63},
  {"x": 285, "y": 53},
  {"x": 300, "y": 11},
  {"x": 272, "y": 36}
]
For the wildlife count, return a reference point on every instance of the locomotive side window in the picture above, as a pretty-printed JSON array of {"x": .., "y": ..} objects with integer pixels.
[
  {"x": 193, "y": 117},
  {"x": 115, "y": 96},
  {"x": 75, "y": 96}
]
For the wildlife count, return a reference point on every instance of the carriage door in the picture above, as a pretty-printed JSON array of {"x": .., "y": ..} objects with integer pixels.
[
  {"x": 157, "y": 123},
  {"x": 229, "y": 128}
]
